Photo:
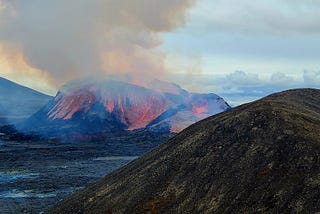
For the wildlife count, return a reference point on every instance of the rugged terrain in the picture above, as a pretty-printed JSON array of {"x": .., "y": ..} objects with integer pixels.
[
  {"x": 88, "y": 130},
  {"x": 261, "y": 157},
  {"x": 99, "y": 108},
  {"x": 36, "y": 173},
  {"x": 18, "y": 102}
]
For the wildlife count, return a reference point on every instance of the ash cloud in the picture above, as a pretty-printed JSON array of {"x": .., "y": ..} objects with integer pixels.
[{"x": 73, "y": 38}]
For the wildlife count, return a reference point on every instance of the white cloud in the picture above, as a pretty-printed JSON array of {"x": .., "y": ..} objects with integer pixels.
[
  {"x": 281, "y": 79},
  {"x": 240, "y": 87},
  {"x": 285, "y": 16},
  {"x": 243, "y": 78},
  {"x": 311, "y": 78}
]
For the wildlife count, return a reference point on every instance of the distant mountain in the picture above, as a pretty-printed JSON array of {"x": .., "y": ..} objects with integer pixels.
[
  {"x": 87, "y": 107},
  {"x": 18, "y": 102},
  {"x": 261, "y": 157}
]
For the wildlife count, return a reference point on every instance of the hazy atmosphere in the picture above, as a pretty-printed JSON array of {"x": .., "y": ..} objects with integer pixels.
[
  {"x": 159, "y": 106},
  {"x": 242, "y": 50}
]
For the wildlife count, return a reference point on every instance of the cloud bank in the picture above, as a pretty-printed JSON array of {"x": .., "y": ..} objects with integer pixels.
[{"x": 240, "y": 87}]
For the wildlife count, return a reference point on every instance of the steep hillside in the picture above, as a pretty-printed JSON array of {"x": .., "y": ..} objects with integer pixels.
[
  {"x": 107, "y": 106},
  {"x": 18, "y": 102},
  {"x": 261, "y": 157}
]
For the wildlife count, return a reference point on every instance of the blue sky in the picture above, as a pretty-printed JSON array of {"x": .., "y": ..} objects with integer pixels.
[
  {"x": 240, "y": 49},
  {"x": 245, "y": 49}
]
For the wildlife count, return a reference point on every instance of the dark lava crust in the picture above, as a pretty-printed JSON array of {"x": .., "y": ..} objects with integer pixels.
[{"x": 261, "y": 157}]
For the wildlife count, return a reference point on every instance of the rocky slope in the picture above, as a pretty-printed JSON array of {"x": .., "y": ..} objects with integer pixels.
[
  {"x": 93, "y": 106},
  {"x": 261, "y": 157},
  {"x": 18, "y": 102}
]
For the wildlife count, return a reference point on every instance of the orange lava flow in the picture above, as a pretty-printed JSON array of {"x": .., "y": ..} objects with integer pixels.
[
  {"x": 69, "y": 105},
  {"x": 110, "y": 106},
  {"x": 199, "y": 109}
]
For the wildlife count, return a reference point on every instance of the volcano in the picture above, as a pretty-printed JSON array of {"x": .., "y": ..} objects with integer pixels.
[
  {"x": 109, "y": 106},
  {"x": 261, "y": 157}
]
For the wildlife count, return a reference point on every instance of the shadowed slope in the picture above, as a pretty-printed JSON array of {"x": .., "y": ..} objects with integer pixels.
[
  {"x": 18, "y": 102},
  {"x": 257, "y": 158}
]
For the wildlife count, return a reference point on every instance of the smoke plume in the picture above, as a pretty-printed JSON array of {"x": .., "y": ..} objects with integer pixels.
[{"x": 68, "y": 39}]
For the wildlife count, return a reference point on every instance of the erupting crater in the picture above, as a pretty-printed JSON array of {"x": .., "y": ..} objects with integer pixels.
[
  {"x": 133, "y": 106},
  {"x": 93, "y": 106}
]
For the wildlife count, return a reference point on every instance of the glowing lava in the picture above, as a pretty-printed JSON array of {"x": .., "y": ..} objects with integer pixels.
[
  {"x": 66, "y": 106},
  {"x": 133, "y": 106},
  {"x": 196, "y": 109},
  {"x": 110, "y": 103}
]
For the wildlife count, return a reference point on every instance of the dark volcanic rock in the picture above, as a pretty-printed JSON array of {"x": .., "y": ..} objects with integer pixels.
[
  {"x": 261, "y": 157},
  {"x": 37, "y": 173}
]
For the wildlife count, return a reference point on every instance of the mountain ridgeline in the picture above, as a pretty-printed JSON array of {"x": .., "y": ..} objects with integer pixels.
[
  {"x": 17, "y": 102},
  {"x": 85, "y": 108},
  {"x": 261, "y": 157}
]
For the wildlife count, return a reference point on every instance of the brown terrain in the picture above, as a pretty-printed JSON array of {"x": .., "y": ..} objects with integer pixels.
[{"x": 261, "y": 157}]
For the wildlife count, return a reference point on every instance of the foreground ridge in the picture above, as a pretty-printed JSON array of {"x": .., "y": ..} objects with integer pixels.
[{"x": 259, "y": 157}]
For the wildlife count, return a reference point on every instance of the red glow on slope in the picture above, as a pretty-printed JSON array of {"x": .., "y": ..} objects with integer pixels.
[
  {"x": 110, "y": 106},
  {"x": 132, "y": 106},
  {"x": 67, "y": 106},
  {"x": 135, "y": 109},
  {"x": 138, "y": 112},
  {"x": 143, "y": 115},
  {"x": 120, "y": 105},
  {"x": 199, "y": 109}
]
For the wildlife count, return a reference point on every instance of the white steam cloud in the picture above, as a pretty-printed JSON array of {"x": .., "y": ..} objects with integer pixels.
[{"x": 70, "y": 38}]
